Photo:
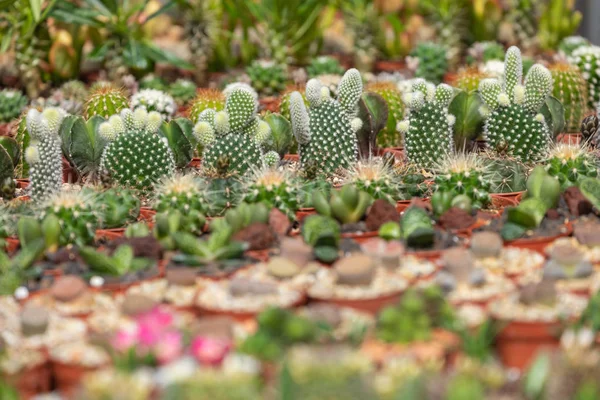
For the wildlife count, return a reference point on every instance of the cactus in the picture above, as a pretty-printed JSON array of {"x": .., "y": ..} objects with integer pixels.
[
  {"x": 155, "y": 100},
  {"x": 183, "y": 91},
  {"x": 587, "y": 59},
  {"x": 469, "y": 79},
  {"x": 589, "y": 130},
  {"x": 429, "y": 61},
  {"x": 513, "y": 123},
  {"x": 417, "y": 228},
  {"x": 272, "y": 187},
  {"x": 267, "y": 77},
  {"x": 324, "y": 65},
  {"x": 105, "y": 100},
  {"x": 44, "y": 154},
  {"x": 70, "y": 97},
  {"x": 482, "y": 52},
  {"x": 327, "y": 133},
  {"x": 315, "y": 227},
  {"x": 136, "y": 155},
  {"x": 510, "y": 175},
  {"x": 571, "y": 90},
  {"x": 118, "y": 207},
  {"x": 347, "y": 205},
  {"x": 153, "y": 82},
  {"x": 235, "y": 133},
  {"x": 206, "y": 98},
  {"x": 570, "y": 163},
  {"x": 520, "y": 24},
  {"x": 428, "y": 128},
  {"x": 412, "y": 181},
  {"x": 376, "y": 178},
  {"x": 360, "y": 18},
  {"x": 12, "y": 103},
  {"x": 388, "y": 137},
  {"x": 182, "y": 193},
  {"x": 284, "y": 100},
  {"x": 571, "y": 43},
  {"x": 76, "y": 218}
]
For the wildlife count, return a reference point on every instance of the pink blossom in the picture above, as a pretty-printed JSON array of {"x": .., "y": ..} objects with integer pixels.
[
  {"x": 210, "y": 351},
  {"x": 169, "y": 347},
  {"x": 125, "y": 339},
  {"x": 159, "y": 317}
]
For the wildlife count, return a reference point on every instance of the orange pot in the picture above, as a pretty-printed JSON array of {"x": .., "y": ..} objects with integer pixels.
[
  {"x": 519, "y": 342},
  {"x": 371, "y": 306},
  {"x": 110, "y": 234},
  {"x": 539, "y": 244},
  {"x": 291, "y": 157},
  {"x": 22, "y": 183},
  {"x": 514, "y": 196},
  {"x": 70, "y": 175},
  {"x": 390, "y": 65},
  {"x": 68, "y": 377},
  {"x": 360, "y": 237},
  {"x": 569, "y": 138},
  {"x": 147, "y": 214},
  {"x": 260, "y": 255},
  {"x": 196, "y": 162},
  {"x": 31, "y": 382},
  {"x": 303, "y": 213}
]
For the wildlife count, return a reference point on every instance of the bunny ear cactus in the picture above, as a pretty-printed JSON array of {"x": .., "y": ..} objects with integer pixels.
[
  {"x": 514, "y": 124},
  {"x": 326, "y": 132},
  {"x": 428, "y": 128},
  {"x": 235, "y": 134},
  {"x": 44, "y": 153},
  {"x": 136, "y": 156}
]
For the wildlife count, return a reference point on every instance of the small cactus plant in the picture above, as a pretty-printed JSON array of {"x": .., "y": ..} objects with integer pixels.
[
  {"x": 182, "y": 193},
  {"x": 154, "y": 100},
  {"x": 183, "y": 91},
  {"x": 469, "y": 79},
  {"x": 70, "y": 97},
  {"x": 324, "y": 65},
  {"x": 76, "y": 218},
  {"x": 376, "y": 178},
  {"x": 118, "y": 207},
  {"x": 327, "y": 133},
  {"x": 569, "y": 163},
  {"x": 105, "y": 100},
  {"x": 153, "y": 82},
  {"x": 429, "y": 61},
  {"x": 44, "y": 155},
  {"x": 428, "y": 128},
  {"x": 589, "y": 130},
  {"x": 267, "y": 77},
  {"x": 284, "y": 100},
  {"x": 587, "y": 59},
  {"x": 273, "y": 187},
  {"x": 513, "y": 124},
  {"x": 482, "y": 52},
  {"x": 347, "y": 205},
  {"x": 136, "y": 155},
  {"x": 388, "y": 136},
  {"x": 510, "y": 175},
  {"x": 205, "y": 99},
  {"x": 11, "y": 104},
  {"x": 571, "y": 43},
  {"x": 571, "y": 90}
]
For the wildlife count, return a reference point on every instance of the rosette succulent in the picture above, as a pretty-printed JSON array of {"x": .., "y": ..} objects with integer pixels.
[
  {"x": 155, "y": 100},
  {"x": 11, "y": 104}
]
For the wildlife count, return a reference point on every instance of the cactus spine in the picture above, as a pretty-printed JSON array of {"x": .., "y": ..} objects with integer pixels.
[
  {"x": 182, "y": 193},
  {"x": 105, "y": 101},
  {"x": 206, "y": 98},
  {"x": 587, "y": 58},
  {"x": 571, "y": 90}
]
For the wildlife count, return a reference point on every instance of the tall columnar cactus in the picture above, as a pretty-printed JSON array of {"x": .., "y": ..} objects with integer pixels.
[
  {"x": 571, "y": 90},
  {"x": 388, "y": 136},
  {"x": 205, "y": 99},
  {"x": 136, "y": 156},
  {"x": 155, "y": 100},
  {"x": 429, "y": 61},
  {"x": 587, "y": 58},
  {"x": 326, "y": 132},
  {"x": 105, "y": 100},
  {"x": 44, "y": 153},
  {"x": 182, "y": 193},
  {"x": 11, "y": 104},
  {"x": 428, "y": 128},
  {"x": 569, "y": 163},
  {"x": 235, "y": 134},
  {"x": 513, "y": 123}
]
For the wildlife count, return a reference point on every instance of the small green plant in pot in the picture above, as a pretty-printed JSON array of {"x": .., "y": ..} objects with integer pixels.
[
  {"x": 324, "y": 65},
  {"x": 183, "y": 91},
  {"x": 117, "y": 207},
  {"x": 267, "y": 77},
  {"x": 155, "y": 100},
  {"x": 205, "y": 99},
  {"x": 510, "y": 174},
  {"x": 323, "y": 234},
  {"x": 12, "y": 103},
  {"x": 275, "y": 188},
  {"x": 120, "y": 263},
  {"x": 105, "y": 100},
  {"x": 429, "y": 61},
  {"x": 182, "y": 193},
  {"x": 417, "y": 228},
  {"x": 375, "y": 177},
  {"x": 569, "y": 163},
  {"x": 347, "y": 205}
]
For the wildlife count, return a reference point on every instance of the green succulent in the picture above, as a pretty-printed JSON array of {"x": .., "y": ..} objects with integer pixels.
[
  {"x": 105, "y": 100},
  {"x": 117, "y": 207},
  {"x": 324, "y": 65},
  {"x": 183, "y": 91},
  {"x": 431, "y": 61},
  {"x": 240, "y": 217},
  {"x": 71, "y": 97},
  {"x": 75, "y": 217},
  {"x": 153, "y": 82},
  {"x": 205, "y": 99},
  {"x": 316, "y": 227},
  {"x": 571, "y": 163},
  {"x": 12, "y": 103},
  {"x": 510, "y": 175},
  {"x": 267, "y": 77},
  {"x": 571, "y": 90},
  {"x": 310, "y": 186},
  {"x": 182, "y": 193},
  {"x": 274, "y": 188},
  {"x": 347, "y": 205},
  {"x": 417, "y": 228}
]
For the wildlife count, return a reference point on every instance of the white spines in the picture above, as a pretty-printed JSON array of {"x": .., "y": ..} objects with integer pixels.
[
  {"x": 314, "y": 94},
  {"x": 299, "y": 118},
  {"x": 349, "y": 90}
]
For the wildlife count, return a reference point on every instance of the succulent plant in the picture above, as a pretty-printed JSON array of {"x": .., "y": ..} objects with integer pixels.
[
  {"x": 155, "y": 100},
  {"x": 520, "y": 24},
  {"x": 347, "y": 205},
  {"x": 117, "y": 207},
  {"x": 513, "y": 124},
  {"x": 274, "y": 188},
  {"x": 152, "y": 81},
  {"x": 417, "y": 228},
  {"x": 571, "y": 90},
  {"x": 310, "y": 186},
  {"x": 482, "y": 52},
  {"x": 240, "y": 217},
  {"x": 44, "y": 154},
  {"x": 569, "y": 163},
  {"x": 427, "y": 129},
  {"x": 12, "y": 103},
  {"x": 327, "y": 136},
  {"x": 183, "y": 91},
  {"x": 429, "y": 61},
  {"x": 136, "y": 155},
  {"x": 587, "y": 59},
  {"x": 182, "y": 193},
  {"x": 75, "y": 216},
  {"x": 281, "y": 138},
  {"x": 267, "y": 77},
  {"x": 105, "y": 100},
  {"x": 510, "y": 175},
  {"x": 469, "y": 79},
  {"x": 317, "y": 227},
  {"x": 324, "y": 65},
  {"x": 412, "y": 181},
  {"x": 571, "y": 43},
  {"x": 376, "y": 178},
  {"x": 388, "y": 136},
  {"x": 589, "y": 130},
  {"x": 71, "y": 97},
  {"x": 205, "y": 99}
]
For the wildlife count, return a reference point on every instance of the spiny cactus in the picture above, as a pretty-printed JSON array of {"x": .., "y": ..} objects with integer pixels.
[
  {"x": 388, "y": 136},
  {"x": 376, "y": 178},
  {"x": 183, "y": 91},
  {"x": 429, "y": 61},
  {"x": 75, "y": 216},
  {"x": 182, "y": 193},
  {"x": 136, "y": 156},
  {"x": 326, "y": 133},
  {"x": 267, "y": 77},
  {"x": 587, "y": 59},
  {"x": 70, "y": 96},
  {"x": 273, "y": 187},
  {"x": 118, "y": 207},
  {"x": 11, "y": 104},
  {"x": 482, "y": 52},
  {"x": 235, "y": 133},
  {"x": 513, "y": 123},
  {"x": 469, "y": 79},
  {"x": 105, "y": 100},
  {"x": 154, "y": 100},
  {"x": 347, "y": 205},
  {"x": 428, "y": 128},
  {"x": 589, "y": 129},
  {"x": 571, "y": 90},
  {"x": 44, "y": 153},
  {"x": 324, "y": 65},
  {"x": 510, "y": 174},
  {"x": 152, "y": 81},
  {"x": 284, "y": 102},
  {"x": 571, "y": 43},
  {"x": 206, "y": 98},
  {"x": 569, "y": 163}
]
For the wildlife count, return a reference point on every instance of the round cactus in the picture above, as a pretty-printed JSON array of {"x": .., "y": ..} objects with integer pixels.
[
  {"x": 182, "y": 193},
  {"x": 70, "y": 97},
  {"x": 105, "y": 100},
  {"x": 571, "y": 90},
  {"x": 12, "y": 103},
  {"x": 324, "y": 65},
  {"x": 429, "y": 61},
  {"x": 273, "y": 187},
  {"x": 571, "y": 43},
  {"x": 77, "y": 219},
  {"x": 154, "y": 100},
  {"x": 469, "y": 79},
  {"x": 376, "y": 178},
  {"x": 136, "y": 156},
  {"x": 183, "y": 91},
  {"x": 206, "y": 98},
  {"x": 570, "y": 163},
  {"x": 267, "y": 77},
  {"x": 510, "y": 174},
  {"x": 388, "y": 136},
  {"x": 587, "y": 59}
]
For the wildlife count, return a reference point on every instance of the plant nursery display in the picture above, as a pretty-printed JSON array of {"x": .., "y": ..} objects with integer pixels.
[{"x": 298, "y": 199}]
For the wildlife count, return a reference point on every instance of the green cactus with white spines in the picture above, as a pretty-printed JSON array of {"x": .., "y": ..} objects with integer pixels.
[
  {"x": 236, "y": 133},
  {"x": 273, "y": 187},
  {"x": 44, "y": 154},
  {"x": 513, "y": 124},
  {"x": 324, "y": 65},
  {"x": 155, "y": 100},
  {"x": 105, "y": 100},
  {"x": 571, "y": 90},
  {"x": 469, "y": 79},
  {"x": 284, "y": 103},
  {"x": 569, "y": 163},
  {"x": 388, "y": 136},
  {"x": 326, "y": 132},
  {"x": 427, "y": 129},
  {"x": 509, "y": 174},
  {"x": 11, "y": 104},
  {"x": 205, "y": 99},
  {"x": 75, "y": 215},
  {"x": 571, "y": 43},
  {"x": 183, "y": 91},
  {"x": 136, "y": 155},
  {"x": 429, "y": 61},
  {"x": 182, "y": 193},
  {"x": 267, "y": 77},
  {"x": 587, "y": 58},
  {"x": 376, "y": 178}
]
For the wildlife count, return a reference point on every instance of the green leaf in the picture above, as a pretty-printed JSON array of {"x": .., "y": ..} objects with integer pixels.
[
  {"x": 99, "y": 262},
  {"x": 233, "y": 250},
  {"x": 554, "y": 114},
  {"x": 156, "y": 54},
  {"x": 6, "y": 165},
  {"x": 281, "y": 138},
  {"x": 84, "y": 145},
  {"x": 36, "y": 9},
  {"x": 123, "y": 258},
  {"x": 536, "y": 376},
  {"x": 99, "y": 52},
  {"x": 160, "y": 11},
  {"x": 469, "y": 122},
  {"x": 373, "y": 112},
  {"x": 134, "y": 55},
  {"x": 178, "y": 133},
  {"x": 30, "y": 254}
]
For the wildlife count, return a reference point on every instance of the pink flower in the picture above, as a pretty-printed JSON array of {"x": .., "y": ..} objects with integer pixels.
[
  {"x": 159, "y": 317},
  {"x": 169, "y": 347},
  {"x": 124, "y": 339},
  {"x": 209, "y": 350}
]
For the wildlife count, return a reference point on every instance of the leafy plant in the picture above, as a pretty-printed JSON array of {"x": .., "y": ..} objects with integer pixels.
[
  {"x": 121, "y": 262},
  {"x": 82, "y": 145}
]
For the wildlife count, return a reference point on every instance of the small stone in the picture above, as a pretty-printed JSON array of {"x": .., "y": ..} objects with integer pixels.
[
  {"x": 68, "y": 288},
  {"x": 247, "y": 287},
  {"x": 543, "y": 293},
  {"x": 486, "y": 244},
  {"x": 459, "y": 262},
  {"x": 137, "y": 304},
  {"x": 34, "y": 320},
  {"x": 380, "y": 212},
  {"x": 587, "y": 233},
  {"x": 321, "y": 312},
  {"x": 259, "y": 236},
  {"x": 21, "y": 293},
  {"x": 215, "y": 327},
  {"x": 181, "y": 276},
  {"x": 554, "y": 270},
  {"x": 355, "y": 270},
  {"x": 279, "y": 222},
  {"x": 583, "y": 270},
  {"x": 282, "y": 268},
  {"x": 296, "y": 251},
  {"x": 446, "y": 281},
  {"x": 566, "y": 254},
  {"x": 96, "y": 281},
  {"x": 477, "y": 278}
]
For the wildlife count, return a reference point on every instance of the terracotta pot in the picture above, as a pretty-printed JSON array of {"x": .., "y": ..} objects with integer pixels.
[
  {"x": 402, "y": 205},
  {"x": 501, "y": 202},
  {"x": 539, "y": 244},
  {"x": 291, "y": 157},
  {"x": 12, "y": 244},
  {"x": 450, "y": 78},
  {"x": 260, "y": 255},
  {"x": 519, "y": 342},
  {"x": 242, "y": 316},
  {"x": 69, "y": 173},
  {"x": 270, "y": 103},
  {"x": 147, "y": 214},
  {"x": 430, "y": 255},
  {"x": 371, "y": 306},
  {"x": 196, "y": 162},
  {"x": 303, "y": 213},
  {"x": 390, "y": 65},
  {"x": 31, "y": 382},
  {"x": 360, "y": 237},
  {"x": 110, "y": 234},
  {"x": 514, "y": 196},
  {"x": 68, "y": 377},
  {"x": 22, "y": 183},
  {"x": 398, "y": 152},
  {"x": 570, "y": 138}
]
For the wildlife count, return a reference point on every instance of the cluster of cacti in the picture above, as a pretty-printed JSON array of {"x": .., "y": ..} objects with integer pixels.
[
  {"x": 570, "y": 163},
  {"x": 152, "y": 81},
  {"x": 182, "y": 193},
  {"x": 202, "y": 27},
  {"x": 429, "y": 61},
  {"x": 376, "y": 178},
  {"x": 234, "y": 134},
  {"x": 571, "y": 90},
  {"x": 388, "y": 136},
  {"x": 205, "y": 99},
  {"x": 326, "y": 133},
  {"x": 520, "y": 24},
  {"x": 11, "y": 104},
  {"x": 136, "y": 155},
  {"x": 324, "y": 65},
  {"x": 469, "y": 79},
  {"x": 117, "y": 207},
  {"x": 105, "y": 100},
  {"x": 513, "y": 124},
  {"x": 71, "y": 97},
  {"x": 183, "y": 91},
  {"x": 72, "y": 215},
  {"x": 44, "y": 153},
  {"x": 268, "y": 77},
  {"x": 571, "y": 43},
  {"x": 275, "y": 188},
  {"x": 428, "y": 128},
  {"x": 482, "y": 52},
  {"x": 587, "y": 59},
  {"x": 347, "y": 205},
  {"x": 155, "y": 100}
]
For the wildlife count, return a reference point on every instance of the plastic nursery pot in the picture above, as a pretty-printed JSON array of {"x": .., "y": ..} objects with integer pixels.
[
  {"x": 539, "y": 244},
  {"x": 569, "y": 138},
  {"x": 514, "y": 196},
  {"x": 67, "y": 377},
  {"x": 303, "y": 213},
  {"x": 241, "y": 316},
  {"x": 371, "y": 306},
  {"x": 519, "y": 342},
  {"x": 110, "y": 234},
  {"x": 390, "y": 65},
  {"x": 22, "y": 183},
  {"x": 291, "y": 157},
  {"x": 195, "y": 162},
  {"x": 32, "y": 381},
  {"x": 360, "y": 237},
  {"x": 270, "y": 103}
]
